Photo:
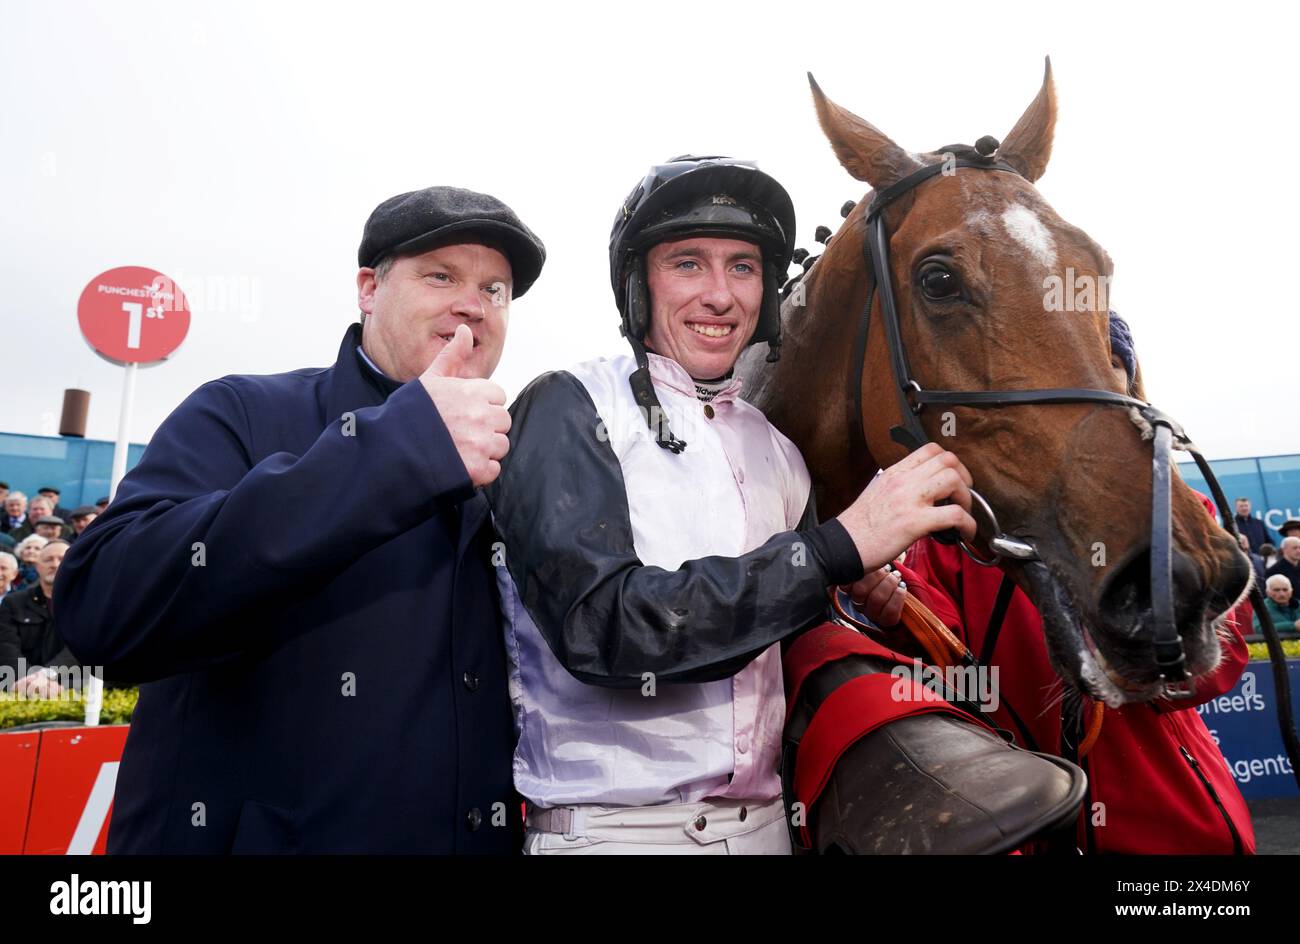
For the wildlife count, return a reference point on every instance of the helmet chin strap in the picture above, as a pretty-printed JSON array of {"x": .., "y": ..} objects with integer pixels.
[{"x": 643, "y": 391}]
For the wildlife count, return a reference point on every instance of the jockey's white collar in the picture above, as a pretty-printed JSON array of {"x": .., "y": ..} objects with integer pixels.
[{"x": 666, "y": 371}]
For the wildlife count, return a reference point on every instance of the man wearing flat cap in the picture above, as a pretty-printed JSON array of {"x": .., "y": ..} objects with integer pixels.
[
  {"x": 320, "y": 677},
  {"x": 82, "y": 516}
]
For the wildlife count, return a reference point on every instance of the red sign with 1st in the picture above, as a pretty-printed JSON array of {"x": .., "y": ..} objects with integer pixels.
[{"x": 133, "y": 315}]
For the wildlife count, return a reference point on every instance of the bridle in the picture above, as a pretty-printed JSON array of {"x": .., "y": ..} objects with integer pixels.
[{"x": 1167, "y": 435}]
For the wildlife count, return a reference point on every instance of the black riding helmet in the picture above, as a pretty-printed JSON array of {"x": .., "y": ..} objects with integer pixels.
[
  {"x": 697, "y": 196},
  {"x": 702, "y": 196}
]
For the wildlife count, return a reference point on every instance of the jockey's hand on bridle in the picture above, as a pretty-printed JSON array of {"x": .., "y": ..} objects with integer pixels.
[{"x": 900, "y": 505}]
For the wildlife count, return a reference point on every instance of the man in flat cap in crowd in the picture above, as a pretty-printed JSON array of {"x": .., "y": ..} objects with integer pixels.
[
  {"x": 82, "y": 516},
  {"x": 323, "y": 676}
]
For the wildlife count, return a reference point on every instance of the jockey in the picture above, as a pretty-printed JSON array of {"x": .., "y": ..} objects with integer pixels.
[
  {"x": 661, "y": 541},
  {"x": 1158, "y": 782}
]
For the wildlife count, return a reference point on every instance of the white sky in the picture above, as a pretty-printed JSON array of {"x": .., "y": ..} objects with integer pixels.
[{"x": 238, "y": 148}]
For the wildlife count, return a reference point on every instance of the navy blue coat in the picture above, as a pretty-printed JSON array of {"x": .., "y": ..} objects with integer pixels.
[{"x": 301, "y": 571}]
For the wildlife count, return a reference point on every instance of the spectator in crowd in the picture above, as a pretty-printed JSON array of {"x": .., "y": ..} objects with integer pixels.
[
  {"x": 102, "y": 504},
  {"x": 49, "y": 527},
  {"x": 1288, "y": 564},
  {"x": 41, "y": 507},
  {"x": 8, "y": 572},
  {"x": 29, "y": 548},
  {"x": 1290, "y": 528},
  {"x": 7, "y": 543},
  {"x": 1249, "y": 525},
  {"x": 38, "y": 507},
  {"x": 1281, "y": 606},
  {"x": 4, "y": 493},
  {"x": 53, "y": 494},
  {"x": 28, "y": 641},
  {"x": 1256, "y": 561},
  {"x": 82, "y": 516},
  {"x": 1269, "y": 553},
  {"x": 15, "y": 515}
]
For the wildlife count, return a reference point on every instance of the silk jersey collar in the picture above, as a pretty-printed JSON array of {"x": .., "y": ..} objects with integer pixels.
[{"x": 669, "y": 373}]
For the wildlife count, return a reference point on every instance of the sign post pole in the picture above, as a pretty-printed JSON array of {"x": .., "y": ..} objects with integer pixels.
[{"x": 123, "y": 428}]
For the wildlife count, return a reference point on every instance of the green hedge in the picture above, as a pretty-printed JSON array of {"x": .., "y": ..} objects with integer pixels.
[
  {"x": 1290, "y": 647},
  {"x": 118, "y": 705}
]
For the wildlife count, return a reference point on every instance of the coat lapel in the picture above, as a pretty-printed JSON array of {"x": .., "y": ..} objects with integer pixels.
[{"x": 350, "y": 386}]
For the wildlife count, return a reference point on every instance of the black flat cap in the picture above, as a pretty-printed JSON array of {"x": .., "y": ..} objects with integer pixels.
[
  {"x": 49, "y": 519},
  {"x": 412, "y": 223},
  {"x": 82, "y": 510}
]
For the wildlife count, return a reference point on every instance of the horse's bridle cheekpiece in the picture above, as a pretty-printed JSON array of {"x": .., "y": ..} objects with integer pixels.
[{"x": 1165, "y": 432}]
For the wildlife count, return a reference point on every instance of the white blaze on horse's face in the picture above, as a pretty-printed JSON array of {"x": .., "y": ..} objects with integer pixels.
[
  {"x": 1024, "y": 226},
  {"x": 705, "y": 296}
]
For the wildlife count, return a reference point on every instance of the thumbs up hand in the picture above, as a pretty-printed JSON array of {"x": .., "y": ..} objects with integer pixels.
[
  {"x": 472, "y": 409},
  {"x": 453, "y": 359}
]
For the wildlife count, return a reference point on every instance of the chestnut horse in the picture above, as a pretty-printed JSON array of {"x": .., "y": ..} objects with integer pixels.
[{"x": 979, "y": 264}]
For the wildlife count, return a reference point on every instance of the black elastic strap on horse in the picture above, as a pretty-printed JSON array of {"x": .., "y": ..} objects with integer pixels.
[
  {"x": 998, "y": 616},
  {"x": 1006, "y": 589}
]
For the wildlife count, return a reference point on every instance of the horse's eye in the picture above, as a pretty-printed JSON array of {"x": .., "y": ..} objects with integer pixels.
[{"x": 938, "y": 282}]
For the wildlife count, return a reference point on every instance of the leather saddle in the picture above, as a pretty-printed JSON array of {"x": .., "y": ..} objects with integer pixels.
[{"x": 876, "y": 763}]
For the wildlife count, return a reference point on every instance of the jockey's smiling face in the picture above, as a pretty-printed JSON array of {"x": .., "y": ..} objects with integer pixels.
[
  {"x": 705, "y": 296},
  {"x": 414, "y": 306}
]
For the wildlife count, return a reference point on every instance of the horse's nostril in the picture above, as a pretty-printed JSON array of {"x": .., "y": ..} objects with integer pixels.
[
  {"x": 1127, "y": 592},
  {"x": 1126, "y": 595}
]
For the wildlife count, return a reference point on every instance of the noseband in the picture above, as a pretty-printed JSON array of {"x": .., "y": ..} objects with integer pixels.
[{"x": 913, "y": 398}]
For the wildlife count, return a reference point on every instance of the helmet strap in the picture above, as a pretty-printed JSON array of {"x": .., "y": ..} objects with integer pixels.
[
  {"x": 643, "y": 391},
  {"x": 769, "y": 314}
]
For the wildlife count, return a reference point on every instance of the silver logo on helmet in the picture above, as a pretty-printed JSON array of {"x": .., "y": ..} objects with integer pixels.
[{"x": 721, "y": 199}]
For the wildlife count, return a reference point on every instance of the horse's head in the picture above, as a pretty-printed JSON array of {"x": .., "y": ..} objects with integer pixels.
[{"x": 995, "y": 292}]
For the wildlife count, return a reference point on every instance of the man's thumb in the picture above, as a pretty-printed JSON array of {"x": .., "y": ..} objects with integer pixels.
[{"x": 453, "y": 356}]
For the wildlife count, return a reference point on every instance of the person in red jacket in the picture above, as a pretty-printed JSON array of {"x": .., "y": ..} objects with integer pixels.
[{"x": 1157, "y": 781}]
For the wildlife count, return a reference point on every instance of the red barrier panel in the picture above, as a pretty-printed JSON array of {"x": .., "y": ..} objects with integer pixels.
[
  {"x": 18, "y": 753},
  {"x": 73, "y": 793}
]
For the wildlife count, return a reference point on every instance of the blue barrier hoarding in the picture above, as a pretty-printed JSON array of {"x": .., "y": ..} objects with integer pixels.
[{"x": 1244, "y": 724}]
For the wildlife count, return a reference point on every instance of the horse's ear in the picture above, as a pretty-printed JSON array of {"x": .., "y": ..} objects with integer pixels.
[
  {"x": 1029, "y": 145},
  {"x": 866, "y": 152}
]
